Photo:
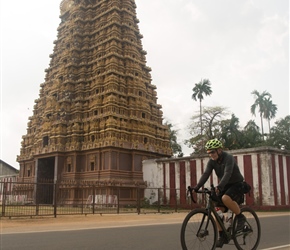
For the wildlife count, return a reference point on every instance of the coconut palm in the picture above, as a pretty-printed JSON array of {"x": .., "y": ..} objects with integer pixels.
[
  {"x": 200, "y": 89},
  {"x": 260, "y": 102},
  {"x": 270, "y": 111}
]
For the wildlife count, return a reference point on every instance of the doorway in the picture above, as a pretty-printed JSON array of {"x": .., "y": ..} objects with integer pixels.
[{"x": 45, "y": 180}]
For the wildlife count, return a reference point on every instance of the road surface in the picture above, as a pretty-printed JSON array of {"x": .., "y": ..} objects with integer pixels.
[{"x": 129, "y": 232}]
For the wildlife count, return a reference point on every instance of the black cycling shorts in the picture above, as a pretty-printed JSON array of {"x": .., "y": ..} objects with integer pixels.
[{"x": 235, "y": 191}]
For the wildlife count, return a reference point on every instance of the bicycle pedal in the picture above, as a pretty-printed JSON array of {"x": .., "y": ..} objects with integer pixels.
[{"x": 246, "y": 229}]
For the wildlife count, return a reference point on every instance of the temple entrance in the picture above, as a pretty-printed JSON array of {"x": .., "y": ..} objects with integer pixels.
[{"x": 45, "y": 183}]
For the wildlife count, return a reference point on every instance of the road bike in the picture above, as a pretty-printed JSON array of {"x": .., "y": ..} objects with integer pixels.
[{"x": 199, "y": 228}]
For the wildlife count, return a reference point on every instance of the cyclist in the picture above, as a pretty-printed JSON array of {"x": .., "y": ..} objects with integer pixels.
[{"x": 229, "y": 190}]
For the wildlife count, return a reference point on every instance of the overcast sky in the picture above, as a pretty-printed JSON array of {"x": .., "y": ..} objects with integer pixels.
[{"x": 239, "y": 45}]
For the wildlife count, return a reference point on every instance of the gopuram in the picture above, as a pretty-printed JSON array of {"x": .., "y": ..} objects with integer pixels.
[{"x": 97, "y": 117}]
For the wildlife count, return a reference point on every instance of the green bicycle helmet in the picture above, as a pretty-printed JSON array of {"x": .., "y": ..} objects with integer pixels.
[{"x": 213, "y": 144}]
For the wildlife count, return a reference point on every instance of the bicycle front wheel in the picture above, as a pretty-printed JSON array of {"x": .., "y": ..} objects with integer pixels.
[
  {"x": 198, "y": 231},
  {"x": 249, "y": 237}
]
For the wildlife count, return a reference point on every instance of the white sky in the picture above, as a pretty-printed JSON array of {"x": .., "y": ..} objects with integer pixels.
[{"x": 239, "y": 46}]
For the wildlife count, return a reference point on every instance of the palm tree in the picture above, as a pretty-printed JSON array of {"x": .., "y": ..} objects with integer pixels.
[
  {"x": 270, "y": 111},
  {"x": 260, "y": 102},
  {"x": 200, "y": 89}
]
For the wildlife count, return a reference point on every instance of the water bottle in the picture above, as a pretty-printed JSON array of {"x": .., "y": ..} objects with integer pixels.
[
  {"x": 228, "y": 219},
  {"x": 220, "y": 213}
]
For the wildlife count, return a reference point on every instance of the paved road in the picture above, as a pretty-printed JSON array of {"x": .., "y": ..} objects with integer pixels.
[{"x": 275, "y": 232}]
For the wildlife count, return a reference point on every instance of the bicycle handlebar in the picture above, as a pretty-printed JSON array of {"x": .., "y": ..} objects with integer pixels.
[
  {"x": 204, "y": 191},
  {"x": 189, "y": 191}
]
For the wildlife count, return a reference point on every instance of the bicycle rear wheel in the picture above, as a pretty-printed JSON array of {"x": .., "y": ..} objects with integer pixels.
[
  {"x": 198, "y": 231},
  {"x": 249, "y": 237}
]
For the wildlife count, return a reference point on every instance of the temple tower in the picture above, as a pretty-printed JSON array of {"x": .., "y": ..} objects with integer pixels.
[{"x": 96, "y": 117}]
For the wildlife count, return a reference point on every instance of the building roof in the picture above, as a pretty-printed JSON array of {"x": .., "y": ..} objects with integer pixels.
[{"x": 11, "y": 169}]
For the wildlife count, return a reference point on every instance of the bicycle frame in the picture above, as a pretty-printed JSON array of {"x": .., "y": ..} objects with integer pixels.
[{"x": 211, "y": 210}]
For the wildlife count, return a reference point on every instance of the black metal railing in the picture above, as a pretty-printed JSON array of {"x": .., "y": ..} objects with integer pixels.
[{"x": 51, "y": 199}]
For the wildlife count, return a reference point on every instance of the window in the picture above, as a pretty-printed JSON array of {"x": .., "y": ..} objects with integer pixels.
[
  {"x": 92, "y": 166},
  {"x": 45, "y": 140}
]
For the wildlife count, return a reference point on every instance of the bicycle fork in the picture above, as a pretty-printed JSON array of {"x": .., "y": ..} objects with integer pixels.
[{"x": 202, "y": 232}]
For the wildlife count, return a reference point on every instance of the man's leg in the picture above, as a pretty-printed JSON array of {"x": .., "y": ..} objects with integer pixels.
[{"x": 232, "y": 205}]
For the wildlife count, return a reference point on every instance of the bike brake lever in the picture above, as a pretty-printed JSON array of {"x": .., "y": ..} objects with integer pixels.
[{"x": 189, "y": 191}]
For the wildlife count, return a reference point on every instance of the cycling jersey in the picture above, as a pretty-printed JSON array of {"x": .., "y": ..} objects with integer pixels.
[{"x": 226, "y": 170}]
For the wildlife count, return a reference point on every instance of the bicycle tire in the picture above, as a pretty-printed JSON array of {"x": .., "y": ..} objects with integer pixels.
[
  {"x": 249, "y": 237},
  {"x": 190, "y": 238}
]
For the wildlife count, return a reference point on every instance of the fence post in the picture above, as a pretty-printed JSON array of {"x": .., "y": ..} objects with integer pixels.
[
  {"x": 36, "y": 199},
  {"x": 138, "y": 200},
  {"x": 118, "y": 201},
  {"x": 176, "y": 203},
  {"x": 55, "y": 200},
  {"x": 158, "y": 197},
  {"x": 94, "y": 199},
  {"x": 82, "y": 200},
  {"x": 4, "y": 198}
]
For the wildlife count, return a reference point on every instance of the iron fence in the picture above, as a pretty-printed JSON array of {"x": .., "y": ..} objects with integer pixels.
[{"x": 19, "y": 199}]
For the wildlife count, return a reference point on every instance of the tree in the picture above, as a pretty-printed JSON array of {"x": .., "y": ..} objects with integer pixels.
[
  {"x": 231, "y": 136},
  {"x": 252, "y": 136},
  {"x": 260, "y": 102},
  {"x": 176, "y": 148},
  {"x": 200, "y": 89},
  {"x": 211, "y": 118},
  {"x": 270, "y": 110},
  {"x": 280, "y": 134}
]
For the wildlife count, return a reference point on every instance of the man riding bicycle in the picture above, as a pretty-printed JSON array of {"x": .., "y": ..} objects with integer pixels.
[{"x": 229, "y": 190}]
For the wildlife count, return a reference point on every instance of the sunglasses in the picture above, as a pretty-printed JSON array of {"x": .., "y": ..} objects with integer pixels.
[{"x": 211, "y": 152}]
